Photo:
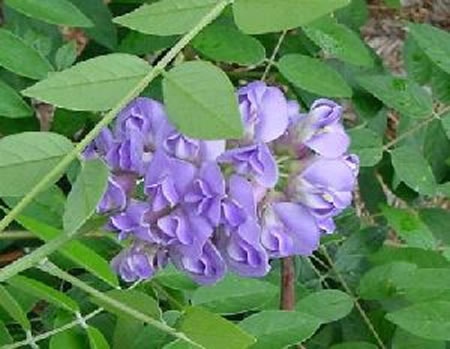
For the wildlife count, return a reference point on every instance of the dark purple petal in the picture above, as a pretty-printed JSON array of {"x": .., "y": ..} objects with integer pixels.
[
  {"x": 243, "y": 252},
  {"x": 206, "y": 193},
  {"x": 100, "y": 146},
  {"x": 117, "y": 193},
  {"x": 208, "y": 268},
  {"x": 145, "y": 116},
  {"x": 133, "y": 222},
  {"x": 188, "y": 232},
  {"x": 127, "y": 155},
  {"x": 167, "y": 180},
  {"x": 255, "y": 160},
  {"x": 139, "y": 262}
]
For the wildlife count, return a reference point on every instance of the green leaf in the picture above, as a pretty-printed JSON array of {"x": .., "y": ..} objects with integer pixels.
[
  {"x": 42, "y": 291},
  {"x": 405, "y": 340},
  {"x": 8, "y": 303},
  {"x": 440, "y": 85},
  {"x": 354, "y": 345},
  {"x": 436, "y": 148},
  {"x": 201, "y": 102},
  {"x": 409, "y": 227},
  {"x": 66, "y": 55},
  {"x": 225, "y": 43},
  {"x": 403, "y": 95},
  {"x": 264, "y": 16},
  {"x": 367, "y": 145},
  {"x": 438, "y": 221},
  {"x": 175, "y": 279},
  {"x": 167, "y": 17},
  {"x": 85, "y": 194},
  {"x": 420, "y": 257},
  {"x": 19, "y": 57},
  {"x": 445, "y": 119},
  {"x": 412, "y": 168},
  {"x": 212, "y": 331},
  {"x": 179, "y": 344},
  {"x": 109, "y": 78},
  {"x": 379, "y": 282},
  {"x": 417, "y": 64},
  {"x": 434, "y": 42},
  {"x": 133, "y": 299},
  {"x": 27, "y": 157},
  {"x": 326, "y": 305},
  {"x": 47, "y": 206},
  {"x": 74, "y": 250},
  {"x": 96, "y": 339},
  {"x": 276, "y": 329},
  {"x": 5, "y": 337},
  {"x": 73, "y": 338},
  {"x": 313, "y": 75},
  {"x": 339, "y": 41},
  {"x": 234, "y": 295},
  {"x": 429, "y": 320},
  {"x": 11, "y": 104},
  {"x": 425, "y": 284},
  {"x": 51, "y": 11},
  {"x": 354, "y": 15},
  {"x": 139, "y": 44},
  {"x": 104, "y": 31}
]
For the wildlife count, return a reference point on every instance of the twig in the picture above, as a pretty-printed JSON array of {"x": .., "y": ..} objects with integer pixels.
[
  {"x": 274, "y": 55},
  {"x": 287, "y": 301},
  {"x": 52, "y": 269},
  {"x": 140, "y": 86},
  {"x": 416, "y": 128},
  {"x": 355, "y": 300}
]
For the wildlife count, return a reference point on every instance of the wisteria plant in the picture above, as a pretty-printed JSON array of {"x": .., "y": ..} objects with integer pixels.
[{"x": 221, "y": 174}]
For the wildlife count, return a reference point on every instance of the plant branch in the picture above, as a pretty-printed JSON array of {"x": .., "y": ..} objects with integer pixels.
[
  {"x": 274, "y": 55},
  {"x": 355, "y": 300},
  {"x": 67, "y": 160},
  {"x": 52, "y": 269},
  {"x": 287, "y": 301},
  {"x": 416, "y": 128}
]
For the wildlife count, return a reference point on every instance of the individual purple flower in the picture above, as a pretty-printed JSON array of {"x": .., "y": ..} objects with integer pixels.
[
  {"x": 206, "y": 193},
  {"x": 264, "y": 111},
  {"x": 117, "y": 193},
  {"x": 321, "y": 130},
  {"x": 167, "y": 180},
  {"x": 187, "y": 231},
  {"x": 254, "y": 160},
  {"x": 139, "y": 262},
  {"x": 325, "y": 185},
  {"x": 186, "y": 148},
  {"x": 144, "y": 116},
  {"x": 208, "y": 268},
  {"x": 242, "y": 249},
  {"x": 240, "y": 202},
  {"x": 127, "y": 155},
  {"x": 100, "y": 146},
  {"x": 289, "y": 229},
  {"x": 134, "y": 222}
]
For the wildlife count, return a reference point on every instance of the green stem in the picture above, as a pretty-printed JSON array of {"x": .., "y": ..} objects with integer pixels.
[
  {"x": 33, "y": 258},
  {"x": 274, "y": 55},
  {"x": 358, "y": 306},
  {"x": 67, "y": 160},
  {"x": 17, "y": 235},
  {"x": 52, "y": 269}
]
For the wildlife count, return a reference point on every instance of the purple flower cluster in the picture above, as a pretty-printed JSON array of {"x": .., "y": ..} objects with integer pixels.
[{"x": 213, "y": 206}]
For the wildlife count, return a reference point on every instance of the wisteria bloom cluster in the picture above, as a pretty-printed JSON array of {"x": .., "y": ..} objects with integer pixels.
[{"x": 213, "y": 206}]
